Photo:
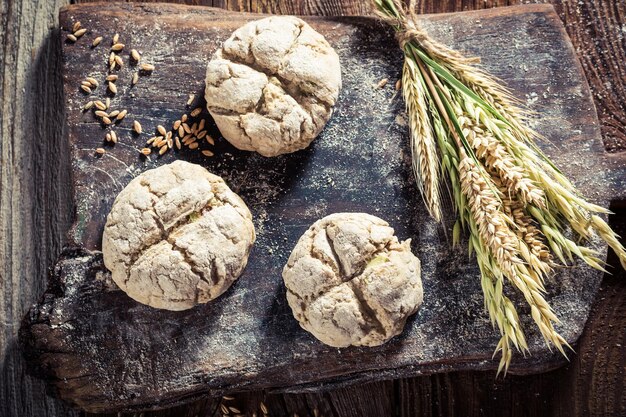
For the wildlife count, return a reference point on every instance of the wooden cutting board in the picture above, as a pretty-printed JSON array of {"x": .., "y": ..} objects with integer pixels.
[{"x": 102, "y": 351}]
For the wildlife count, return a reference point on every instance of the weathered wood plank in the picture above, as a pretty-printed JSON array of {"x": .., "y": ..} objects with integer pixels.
[
  {"x": 95, "y": 349},
  {"x": 35, "y": 203}
]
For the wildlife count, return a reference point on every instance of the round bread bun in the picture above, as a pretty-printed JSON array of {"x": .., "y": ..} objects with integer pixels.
[
  {"x": 350, "y": 282},
  {"x": 177, "y": 236},
  {"x": 272, "y": 86}
]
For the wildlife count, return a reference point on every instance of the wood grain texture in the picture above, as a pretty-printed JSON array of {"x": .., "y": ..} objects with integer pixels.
[
  {"x": 35, "y": 209},
  {"x": 551, "y": 393},
  {"x": 99, "y": 346}
]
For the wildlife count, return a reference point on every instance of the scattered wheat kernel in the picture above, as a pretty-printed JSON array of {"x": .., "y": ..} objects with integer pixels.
[
  {"x": 116, "y": 38},
  {"x": 170, "y": 143},
  {"x": 118, "y": 61},
  {"x": 71, "y": 38},
  {"x": 137, "y": 127},
  {"x": 97, "y": 41},
  {"x": 108, "y": 137},
  {"x": 146, "y": 151},
  {"x": 112, "y": 58},
  {"x": 112, "y": 87},
  {"x": 113, "y": 136},
  {"x": 147, "y": 67},
  {"x": 210, "y": 140},
  {"x": 86, "y": 83},
  {"x": 122, "y": 114},
  {"x": 224, "y": 409},
  {"x": 135, "y": 79},
  {"x": 88, "y": 105},
  {"x": 114, "y": 113},
  {"x": 184, "y": 118},
  {"x": 228, "y": 398},
  {"x": 107, "y": 102},
  {"x": 161, "y": 130},
  {"x": 181, "y": 131},
  {"x": 398, "y": 85},
  {"x": 101, "y": 113},
  {"x": 196, "y": 111},
  {"x": 202, "y": 134},
  {"x": 100, "y": 105},
  {"x": 85, "y": 89},
  {"x": 186, "y": 127},
  {"x": 168, "y": 135},
  {"x": 188, "y": 140},
  {"x": 117, "y": 47},
  {"x": 111, "y": 77},
  {"x": 163, "y": 149},
  {"x": 263, "y": 408},
  {"x": 207, "y": 153},
  {"x": 190, "y": 100},
  {"x": 382, "y": 83},
  {"x": 234, "y": 410},
  {"x": 316, "y": 412},
  {"x": 193, "y": 145},
  {"x": 135, "y": 55},
  {"x": 201, "y": 124},
  {"x": 194, "y": 128},
  {"x": 178, "y": 145},
  {"x": 100, "y": 151},
  {"x": 106, "y": 120},
  {"x": 92, "y": 81},
  {"x": 80, "y": 32},
  {"x": 76, "y": 26},
  {"x": 112, "y": 67},
  {"x": 176, "y": 125},
  {"x": 152, "y": 139}
]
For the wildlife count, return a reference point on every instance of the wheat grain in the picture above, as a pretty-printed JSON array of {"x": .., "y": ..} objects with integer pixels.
[
  {"x": 147, "y": 67},
  {"x": 88, "y": 105},
  {"x": 86, "y": 89},
  {"x": 207, "y": 153},
  {"x": 196, "y": 111},
  {"x": 96, "y": 41},
  {"x": 161, "y": 130},
  {"x": 117, "y": 47},
  {"x": 71, "y": 38},
  {"x": 80, "y": 32},
  {"x": 146, "y": 151},
  {"x": 135, "y": 55},
  {"x": 122, "y": 114},
  {"x": 92, "y": 81},
  {"x": 112, "y": 87},
  {"x": 100, "y": 105},
  {"x": 137, "y": 127},
  {"x": 111, "y": 77},
  {"x": 135, "y": 79},
  {"x": 76, "y": 26},
  {"x": 116, "y": 38},
  {"x": 100, "y": 151}
]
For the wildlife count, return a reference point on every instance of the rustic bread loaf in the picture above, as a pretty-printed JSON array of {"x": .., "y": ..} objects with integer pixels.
[
  {"x": 177, "y": 236},
  {"x": 272, "y": 86},
  {"x": 350, "y": 282}
]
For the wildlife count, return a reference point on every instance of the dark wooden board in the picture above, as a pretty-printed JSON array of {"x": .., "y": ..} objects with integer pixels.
[{"x": 103, "y": 351}]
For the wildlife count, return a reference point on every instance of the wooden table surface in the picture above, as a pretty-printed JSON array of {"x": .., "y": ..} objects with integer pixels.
[{"x": 35, "y": 212}]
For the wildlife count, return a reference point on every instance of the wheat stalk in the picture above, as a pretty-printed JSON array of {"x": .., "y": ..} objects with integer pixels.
[
  {"x": 423, "y": 147},
  {"x": 513, "y": 202}
]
